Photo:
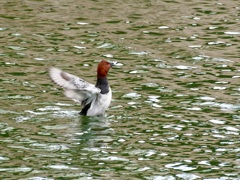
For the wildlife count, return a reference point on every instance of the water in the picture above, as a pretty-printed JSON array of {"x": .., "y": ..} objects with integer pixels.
[{"x": 175, "y": 112}]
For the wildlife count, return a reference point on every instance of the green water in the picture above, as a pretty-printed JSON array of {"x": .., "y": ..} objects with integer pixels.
[{"x": 175, "y": 112}]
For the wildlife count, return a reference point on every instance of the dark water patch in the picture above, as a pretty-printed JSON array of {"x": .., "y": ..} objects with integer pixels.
[
  {"x": 119, "y": 32},
  {"x": 138, "y": 27},
  {"x": 9, "y": 17},
  {"x": 114, "y": 21},
  {"x": 135, "y": 16},
  {"x": 17, "y": 73}
]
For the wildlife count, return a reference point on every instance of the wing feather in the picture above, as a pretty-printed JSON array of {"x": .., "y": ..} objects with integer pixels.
[{"x": 75, "y": 88}]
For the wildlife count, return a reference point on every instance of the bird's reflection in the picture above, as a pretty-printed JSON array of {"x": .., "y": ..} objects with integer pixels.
[{"x": 94, "y": 132}]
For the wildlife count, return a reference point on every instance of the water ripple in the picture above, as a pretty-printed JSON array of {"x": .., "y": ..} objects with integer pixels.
[{"x": 175, "y": 108}]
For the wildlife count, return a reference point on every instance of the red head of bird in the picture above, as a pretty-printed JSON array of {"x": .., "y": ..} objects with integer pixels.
[{"x": 103, "y": 68}]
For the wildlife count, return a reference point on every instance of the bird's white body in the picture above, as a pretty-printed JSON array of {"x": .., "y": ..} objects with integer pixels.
[
  {"x": 100, "y": 104},
  {"x": 82, "y": 92}
]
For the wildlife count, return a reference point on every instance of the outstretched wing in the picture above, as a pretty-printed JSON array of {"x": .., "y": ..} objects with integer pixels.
[{"x": 75, "y": 88}]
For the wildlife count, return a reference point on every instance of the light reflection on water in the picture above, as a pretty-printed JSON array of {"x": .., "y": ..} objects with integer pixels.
[{"x": 175, "y": 112}]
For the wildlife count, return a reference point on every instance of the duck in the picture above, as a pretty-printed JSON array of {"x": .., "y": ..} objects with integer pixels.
[{"x": 94, "y": 99}]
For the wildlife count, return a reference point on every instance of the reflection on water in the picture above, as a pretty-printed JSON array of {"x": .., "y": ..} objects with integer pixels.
[{"x": 175, "y": 112}]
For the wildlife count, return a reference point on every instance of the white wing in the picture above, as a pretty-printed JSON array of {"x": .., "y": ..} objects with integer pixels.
[{"x": 76, "y": 88}]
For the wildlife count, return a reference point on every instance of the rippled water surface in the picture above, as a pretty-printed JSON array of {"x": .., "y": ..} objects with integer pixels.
[{"x": 175, "y": 112}]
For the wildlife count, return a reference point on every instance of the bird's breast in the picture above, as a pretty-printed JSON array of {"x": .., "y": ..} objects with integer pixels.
[{"x": 100, "y": 104}]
